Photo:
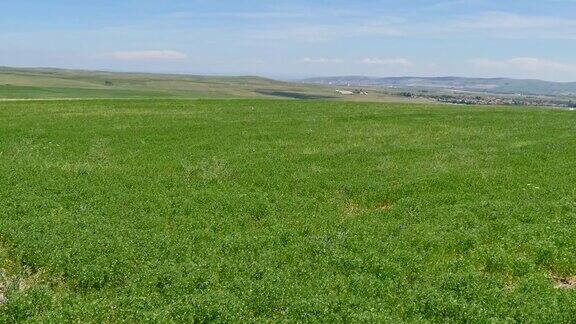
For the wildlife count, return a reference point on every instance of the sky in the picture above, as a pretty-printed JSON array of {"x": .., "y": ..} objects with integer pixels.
[{"x": 295, "y": 39}]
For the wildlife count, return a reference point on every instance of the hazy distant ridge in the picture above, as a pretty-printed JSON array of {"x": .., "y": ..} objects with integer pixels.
[{"x": 489, "y": 85}]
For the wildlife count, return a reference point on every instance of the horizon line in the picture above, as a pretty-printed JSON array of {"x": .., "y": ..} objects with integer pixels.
[{"x": 271, "y": 76}]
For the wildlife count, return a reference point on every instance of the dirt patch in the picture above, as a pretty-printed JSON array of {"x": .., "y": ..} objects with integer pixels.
[
  {"x": 352, "y": 209},
  {"x": 563, "y": 282},
  {"x": 21, "y": 279},
  {"x": 20, "y": 282},
  {"x": 383, "y": 205},
  {"x": 509, "y": 286},
  {"x": 3, "y": 283}
]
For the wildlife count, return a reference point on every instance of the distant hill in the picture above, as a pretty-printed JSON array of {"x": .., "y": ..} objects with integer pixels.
[
  {"x": 49, "y": 83},
  {"x": 487, "y": 85}
]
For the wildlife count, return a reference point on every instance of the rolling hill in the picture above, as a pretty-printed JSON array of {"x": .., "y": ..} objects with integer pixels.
[
  {"x": 50, "y": 83},
  {"x": 61, "y": 83}
]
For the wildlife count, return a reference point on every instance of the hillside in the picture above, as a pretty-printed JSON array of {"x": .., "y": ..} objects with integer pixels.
[
  {"x": 31, "y": 83},
  {"x": 60, "y": 83},
  {"x": 487, "y": 85},
  {"x": 48, "y": 83}
]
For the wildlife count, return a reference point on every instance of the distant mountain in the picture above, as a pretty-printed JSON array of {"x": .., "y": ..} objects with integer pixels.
[{"x": 487, "y": 85}]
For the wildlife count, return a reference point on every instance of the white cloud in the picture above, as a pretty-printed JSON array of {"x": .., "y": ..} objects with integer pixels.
[
  {"x": 239, "y": 15},
  {"x": 322, "y": 60},
  {"x": 501, "y": 25},
  {"x": 524, "y": 64},
  {"x": 493, "y": 24},
  {"x": 526, "y": 67},
  {"x": 449, "y": 4},
  {"x": 309, "y": 34},
  {"x": 314, "y": 33},
  {"x": 403, "y": 62},
  {"x": 148, "y": 55},
  {"x": 535, "y": 64},
  {"x": 504, "y": 20}
]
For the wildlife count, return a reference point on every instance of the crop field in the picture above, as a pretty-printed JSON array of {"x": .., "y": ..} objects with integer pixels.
[{"x": 282, "y": 210}]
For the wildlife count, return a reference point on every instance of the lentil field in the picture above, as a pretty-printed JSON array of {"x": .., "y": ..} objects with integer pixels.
[{"x": 285, "y": 210}]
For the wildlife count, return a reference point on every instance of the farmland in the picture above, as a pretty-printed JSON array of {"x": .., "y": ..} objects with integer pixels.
[{"x": 284, "y": 210}]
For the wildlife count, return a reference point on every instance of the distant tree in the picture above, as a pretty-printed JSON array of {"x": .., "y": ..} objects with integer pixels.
[{"x": 108, "y": 83}]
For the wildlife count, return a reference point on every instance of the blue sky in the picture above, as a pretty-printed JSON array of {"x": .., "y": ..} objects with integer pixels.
[{"x": 292, "y": 39}]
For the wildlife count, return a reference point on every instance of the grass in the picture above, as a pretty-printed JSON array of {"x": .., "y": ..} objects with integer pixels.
[
  {"x": 261, "y": 210},
  {"x": 29, "y": 92}
]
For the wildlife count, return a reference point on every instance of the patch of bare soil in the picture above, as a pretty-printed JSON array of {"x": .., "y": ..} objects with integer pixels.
[
  {"x": 563, "y": 282},
  {"x": 3, "y": 298},
  {"x": 352, "y": 209},
  {"x": 20, "y": 282},
  {"x": 384, "y": 205}
]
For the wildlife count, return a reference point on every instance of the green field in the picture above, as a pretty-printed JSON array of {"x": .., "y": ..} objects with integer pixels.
[{"x": 284, "y": 210}]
